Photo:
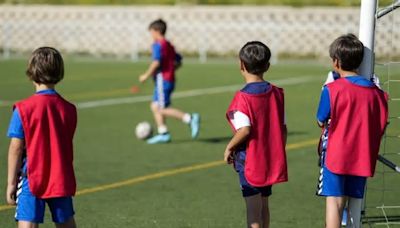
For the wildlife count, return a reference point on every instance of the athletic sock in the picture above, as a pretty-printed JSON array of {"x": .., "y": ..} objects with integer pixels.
[
  {"x": 187, "y": 118},
  {"x": 162, "y": 130}
]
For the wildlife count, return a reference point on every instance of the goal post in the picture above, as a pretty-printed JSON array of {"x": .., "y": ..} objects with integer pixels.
[{"x": 367, "y": 36}]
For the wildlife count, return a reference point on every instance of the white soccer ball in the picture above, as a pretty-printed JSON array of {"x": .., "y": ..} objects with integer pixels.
[{"x": 143, "y": 130}]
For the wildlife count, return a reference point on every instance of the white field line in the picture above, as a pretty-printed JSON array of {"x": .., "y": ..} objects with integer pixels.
[{"x": 183, "y": 94}]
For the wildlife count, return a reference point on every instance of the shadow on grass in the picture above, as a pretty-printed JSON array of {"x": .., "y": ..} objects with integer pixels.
[{"x": 225, "y": 139}]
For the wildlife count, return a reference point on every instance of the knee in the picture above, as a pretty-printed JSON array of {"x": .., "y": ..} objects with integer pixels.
[{"x": 154, "y": 107}]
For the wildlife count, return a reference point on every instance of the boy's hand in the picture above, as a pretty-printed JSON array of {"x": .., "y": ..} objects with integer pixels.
[
  {"x": 228, "y": 156},
  {"x": 143, "y": 78},
  {"x": 11, "y": 192}
]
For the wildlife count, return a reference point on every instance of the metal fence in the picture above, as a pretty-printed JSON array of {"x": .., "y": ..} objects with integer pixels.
[{"x": 121, "y": 31}]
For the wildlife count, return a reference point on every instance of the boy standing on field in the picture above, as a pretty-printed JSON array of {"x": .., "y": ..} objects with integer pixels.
[
  {"x": 40, "y": 157},
  {"x": 257, "y": 148},
  {"x": 162, "y": 69},
  {"x": 354, "y": 112}
]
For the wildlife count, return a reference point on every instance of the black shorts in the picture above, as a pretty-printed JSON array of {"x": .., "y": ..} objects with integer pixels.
[{"x": 247, "y": 188}]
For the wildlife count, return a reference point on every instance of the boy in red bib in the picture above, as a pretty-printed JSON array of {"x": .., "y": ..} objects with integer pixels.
[
  {"x": 354, "y": 112},
  {"x": 257, "y": 148},
  {"x": 40, "y": 156}
]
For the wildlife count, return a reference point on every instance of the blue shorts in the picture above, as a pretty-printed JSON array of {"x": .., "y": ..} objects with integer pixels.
[
  {"x": 331, "y": 184},
  {"x": 31, "y": 209},
  {"x": 247, "y": 188},
  {"x": 162, "y": 91}
]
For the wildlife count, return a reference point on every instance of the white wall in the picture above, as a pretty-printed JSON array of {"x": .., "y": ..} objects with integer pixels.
[{"x": 122, "y": 30}]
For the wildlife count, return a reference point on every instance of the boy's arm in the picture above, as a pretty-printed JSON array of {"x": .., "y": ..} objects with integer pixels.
[
  {"x": 150, "y": 71},
  {"x": 240, "y": 136},
  {"x": 324, "y": 107},
  {"x": 15, "y": 153}
]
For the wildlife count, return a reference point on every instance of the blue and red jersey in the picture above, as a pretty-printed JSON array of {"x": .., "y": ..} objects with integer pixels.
[
  {"x": 47, "y": 124},
  {"x": 265, "y": 162},
  {"x": 164, "y": 52},
  {"x": 358, "y": 112}
]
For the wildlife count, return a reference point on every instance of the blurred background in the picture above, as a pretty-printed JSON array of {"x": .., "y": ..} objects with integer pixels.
[
  {"x": 292, "y": 28},
  {"x": 122, "y": 181}
]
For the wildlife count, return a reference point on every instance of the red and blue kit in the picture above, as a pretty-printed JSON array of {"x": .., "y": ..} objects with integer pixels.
[
  {"x": 46, "y": 122},
  {"x": 354, "y": 111},
  {"x": 358, "y": 120},
  {"x": 164, "y": 52},
  {"x": 265, "y": 157},
  {"x": 49, "y": 124}
]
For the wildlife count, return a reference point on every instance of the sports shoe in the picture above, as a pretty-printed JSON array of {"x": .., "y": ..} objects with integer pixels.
[
  {"x": 160, "y": 138},
  {"x": 344, "y": 217},
  {"x": 195, "y": 125}
]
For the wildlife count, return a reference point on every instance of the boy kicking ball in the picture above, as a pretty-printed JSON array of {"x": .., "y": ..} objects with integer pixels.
[
  {"x": 257, "y": 148},
  {"x": 354, "y": 112},
  {"x": 40, "y": 157},
  {"x": 162, "y": 69}
]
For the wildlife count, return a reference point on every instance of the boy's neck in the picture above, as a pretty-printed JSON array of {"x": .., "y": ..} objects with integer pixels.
[
  {"x": 40, "y": 87},
  {"x": 251, "y": 78},
  {"x": 160, "y": 38},
  {"x": 344, "y": 73}
]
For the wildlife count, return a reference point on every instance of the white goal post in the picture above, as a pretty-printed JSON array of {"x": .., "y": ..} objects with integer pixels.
[{"x": 367, "y": 36}]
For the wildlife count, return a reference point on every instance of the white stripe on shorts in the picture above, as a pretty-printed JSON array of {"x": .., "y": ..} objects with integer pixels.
[{"x": 160, "y": 90}]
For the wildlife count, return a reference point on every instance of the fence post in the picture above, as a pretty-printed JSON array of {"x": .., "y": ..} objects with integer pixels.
[
  {"x": 6, "y": 39},
  {"x": 203, "y": 46}
]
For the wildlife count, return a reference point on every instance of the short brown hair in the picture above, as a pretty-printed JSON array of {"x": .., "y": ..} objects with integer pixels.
[
  {"x": 255, "y": 56},
  {"x": 46, "y": 66},
  {"x": 348, "y": 50},
  {"x": 159, "y": 25}
]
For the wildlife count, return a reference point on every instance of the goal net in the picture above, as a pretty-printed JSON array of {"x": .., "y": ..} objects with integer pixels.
[{"x": 382, "y": 204}]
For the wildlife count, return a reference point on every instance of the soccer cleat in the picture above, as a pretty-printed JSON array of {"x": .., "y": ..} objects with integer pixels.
[
  {"x": 160, "y": 138},
  {"x": 344, "y": 217},
  {"x": 195, "y": 125}
]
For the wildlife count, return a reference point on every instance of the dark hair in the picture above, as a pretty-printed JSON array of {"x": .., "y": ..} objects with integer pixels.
[
  {"x": 46, "y": 66},
  {"x": 348, "y": 50},
  {"x": 159, "y": 25},
  {"x": 255, "y": 56}
]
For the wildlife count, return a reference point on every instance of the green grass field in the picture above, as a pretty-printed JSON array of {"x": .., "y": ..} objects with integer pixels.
[{"x": 107, "y": 152}]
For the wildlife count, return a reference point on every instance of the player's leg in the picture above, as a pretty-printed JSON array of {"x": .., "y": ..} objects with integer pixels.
[
  {"x": 62, "y": 212},
  {"x": 174, "y": 113},
  {"x": 332, "y": 186},
  {"x": 192, "y": 119},
  {"x": 256, "y": 198},
  {"x": 159, "y": 118},
  {"x": 265, "y": 212},
  {"x": 25, "y": 224},
  {"x": 29, "y": 210},
  {"x": 69, "y": 224},
  {"x": 334, "y": 211},
  {"x": 164, "y": 93},
  {"x": 254, "y": 206},
  {"x": 156, "y": 106}
]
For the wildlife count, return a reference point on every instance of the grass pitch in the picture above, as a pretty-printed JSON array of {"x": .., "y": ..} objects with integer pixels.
[{"x": 166, "y": 187}]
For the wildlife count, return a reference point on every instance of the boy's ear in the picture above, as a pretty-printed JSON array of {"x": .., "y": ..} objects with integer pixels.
[
  {"x": 242, "y": 67},
  {"x": 336, "y": 64}
]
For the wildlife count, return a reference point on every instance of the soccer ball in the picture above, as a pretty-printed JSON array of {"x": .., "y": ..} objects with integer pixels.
[{"x": 143, "y": 130}]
